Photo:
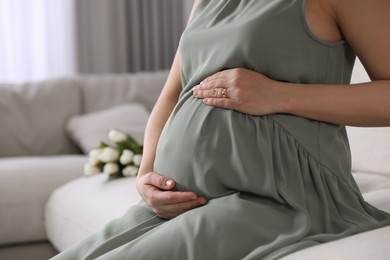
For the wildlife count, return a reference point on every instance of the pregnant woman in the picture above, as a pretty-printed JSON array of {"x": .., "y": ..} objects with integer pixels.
[{"x": 246, "y": 153}]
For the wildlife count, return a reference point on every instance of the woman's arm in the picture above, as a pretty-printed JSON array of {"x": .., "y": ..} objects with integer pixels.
[
  {"x": 366, "y": 104},
  {"x": 160, "y": 113},
  {"x": 154, "y": 188},
  {"x": 364, "y": 24}
]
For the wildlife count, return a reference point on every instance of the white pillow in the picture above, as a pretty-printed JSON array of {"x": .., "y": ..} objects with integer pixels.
[
  {"x": 370, "y": 149},
  {"x": 33, "y": 117},
  {"x": 88, "y": 130}
]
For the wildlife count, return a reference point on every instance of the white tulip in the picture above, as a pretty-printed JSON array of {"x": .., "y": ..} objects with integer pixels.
[
  {"x": 126, "y": 157},
  {"x": 117, "y": 136},
  {"x": 109, "y": 155},
  {"x": 111, "y": 168},
  {"x": 90, "y": 169},
  {"x": 94, "y": 161},
  {"x": 137, "y": 159},
  {"x": 130, "y": 171},
  {"x": 94, "y": 156},
  {"x": 95, "y": 153}
]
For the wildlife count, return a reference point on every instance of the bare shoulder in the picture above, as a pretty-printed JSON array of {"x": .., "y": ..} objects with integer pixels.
[{"x": 365, "y": 25}]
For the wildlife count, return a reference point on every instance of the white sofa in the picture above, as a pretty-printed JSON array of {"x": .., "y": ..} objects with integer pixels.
[
  {"x": 46, "y": 205},
  {"x": 42, "y": 127}
]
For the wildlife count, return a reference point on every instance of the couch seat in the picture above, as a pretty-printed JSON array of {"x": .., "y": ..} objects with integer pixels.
[{"x": 85, "y": 205}]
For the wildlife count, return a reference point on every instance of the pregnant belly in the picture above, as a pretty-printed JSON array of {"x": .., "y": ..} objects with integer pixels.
[{"x": 213, "y": 151}]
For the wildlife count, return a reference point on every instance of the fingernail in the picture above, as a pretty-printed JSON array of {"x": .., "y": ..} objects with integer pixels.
[
  {"x": 195, "y": 93},
  {"x": 168, "y": 183},
  {"x": 195, "y": 88},
  {"x": 205, "y": 100}
]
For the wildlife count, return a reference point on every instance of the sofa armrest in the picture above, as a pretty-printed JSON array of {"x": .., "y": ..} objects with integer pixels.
[{"x": 25, "y": 185}]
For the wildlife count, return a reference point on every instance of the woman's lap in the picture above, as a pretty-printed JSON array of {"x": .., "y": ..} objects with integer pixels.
[{"x": 222, "y": 229}]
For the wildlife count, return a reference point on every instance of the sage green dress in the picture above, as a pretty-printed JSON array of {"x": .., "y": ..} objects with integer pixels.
[{"x": 275, "y": 184}]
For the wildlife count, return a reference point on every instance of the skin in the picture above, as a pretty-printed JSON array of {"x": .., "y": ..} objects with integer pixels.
[
  {"x": 363, "y": 23},
  {"x": 156, "y": 190}
]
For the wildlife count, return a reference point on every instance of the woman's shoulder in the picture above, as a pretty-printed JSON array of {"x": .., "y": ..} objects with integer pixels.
[{"x": 365, "y": 25}]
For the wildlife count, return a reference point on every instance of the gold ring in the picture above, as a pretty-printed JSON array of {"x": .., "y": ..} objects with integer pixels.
[{"x": 224, "y": 93}]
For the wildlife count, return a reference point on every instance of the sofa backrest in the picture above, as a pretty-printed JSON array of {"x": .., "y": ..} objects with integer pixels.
[
  {"x": 33, "y": 116},
  {"x": 102, "y": 92}
]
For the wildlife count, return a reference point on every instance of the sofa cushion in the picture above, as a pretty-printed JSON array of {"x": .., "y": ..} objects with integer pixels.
[
  {"x": 371, "y": 182},
  {"x": 99, "y": 200},
  {"x": 88, "y": 130},
  {"x": 369, "y": 245},
  {"x": 370, "y": 149},
  {"x": 33, "y": 117},
  {"x": 25, "y": 185},
  {"x": 104, "y": 91},
  {"x": 375, "y": 188}
]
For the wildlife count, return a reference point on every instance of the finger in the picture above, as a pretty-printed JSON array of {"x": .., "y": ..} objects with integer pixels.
[
  {"x": 159, "y": 181},
  {"x": 213, "y": 93},
  {"x": 211, "y": 82},
  {"x": 217, "y": 80},
  {"x": 173, "y": 197},
  {"x": 221, "y": 102},
  {"x": 168, "y": 204},
  {"x": 156, "y": 198},
  {"x": 171, "y": 211}
]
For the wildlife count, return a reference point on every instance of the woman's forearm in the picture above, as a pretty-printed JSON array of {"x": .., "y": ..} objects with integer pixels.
[
  {"x": 160, "y": 114},
  {"x": 365, "y": 104}
]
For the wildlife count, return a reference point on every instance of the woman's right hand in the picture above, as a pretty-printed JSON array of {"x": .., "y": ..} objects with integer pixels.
[{"x": 156, "y": 191}]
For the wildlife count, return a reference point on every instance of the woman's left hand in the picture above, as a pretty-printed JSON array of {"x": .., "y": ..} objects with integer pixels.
[{"x": 242, "y": 90}]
